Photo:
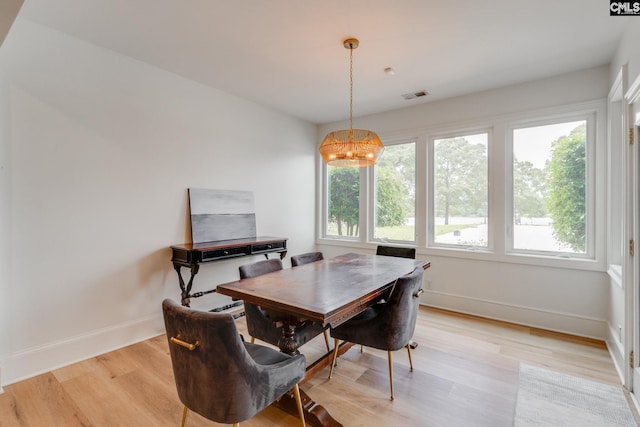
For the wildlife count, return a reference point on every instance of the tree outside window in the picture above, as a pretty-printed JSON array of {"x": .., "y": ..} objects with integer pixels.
[
  {"x": 344, "y": 201},
  {"x": 549, "y": 187},
  {"x": 461, "y": 190},
  {"x": 395, "y": 188}
]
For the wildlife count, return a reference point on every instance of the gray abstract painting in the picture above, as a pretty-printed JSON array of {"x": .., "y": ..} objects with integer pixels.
[{"x": 221, "y": 215}]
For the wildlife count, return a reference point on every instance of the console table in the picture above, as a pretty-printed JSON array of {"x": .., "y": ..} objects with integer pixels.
[{"x": 191, "y": 255}]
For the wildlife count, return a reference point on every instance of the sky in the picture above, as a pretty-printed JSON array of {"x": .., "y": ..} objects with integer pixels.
[{"x": 533, "y": 144}]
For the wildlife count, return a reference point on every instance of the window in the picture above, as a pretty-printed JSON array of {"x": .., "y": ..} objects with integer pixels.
[
  {"x": 395, "y": 194},
  {"x": 549, "y": 188},
  {"x": 343, "y": 202},
  {"x": 515, "y": 188},
  {"x": 460, "y": 190}
]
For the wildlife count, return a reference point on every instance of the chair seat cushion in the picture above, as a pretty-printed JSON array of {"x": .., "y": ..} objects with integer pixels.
[{"x": 265, "y": 355}]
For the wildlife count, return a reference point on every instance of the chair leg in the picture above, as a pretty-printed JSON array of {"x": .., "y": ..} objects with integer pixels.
[
  {"x": 236, "y": 424},
  {"x": 253, "y": 340},
  {"x": 296, "y": 392},
  {"x": 326, "y": 340},
  {"x": 335, "y": 356},
  {"x": 390, "y": 373},
  {"x": 410, "y": 361},
  {"x": 184, "y": 416}
]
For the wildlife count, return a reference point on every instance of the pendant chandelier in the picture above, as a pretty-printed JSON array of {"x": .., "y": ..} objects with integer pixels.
[{"x": 351, "y": 147}]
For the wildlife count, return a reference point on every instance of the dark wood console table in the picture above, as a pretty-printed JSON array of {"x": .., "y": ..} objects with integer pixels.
[{"x": 191, "y": 255}]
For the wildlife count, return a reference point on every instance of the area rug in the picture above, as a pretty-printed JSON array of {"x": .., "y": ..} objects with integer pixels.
[{"x": 547, "y": 398}]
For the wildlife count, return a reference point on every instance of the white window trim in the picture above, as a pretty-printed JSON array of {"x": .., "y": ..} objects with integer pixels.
[
  {"x": 431, "y": 243},
  {"x": 371, "y": 176},
  {"x": 497, "y": 204},
  {"x": 590, "y": 117}
]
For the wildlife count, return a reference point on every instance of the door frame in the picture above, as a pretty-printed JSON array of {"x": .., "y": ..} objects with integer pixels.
[{"x": 631, "y": 268}]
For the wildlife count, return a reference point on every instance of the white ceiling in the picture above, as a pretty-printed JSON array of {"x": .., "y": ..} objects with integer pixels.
[{"x": 288, "y": 54}]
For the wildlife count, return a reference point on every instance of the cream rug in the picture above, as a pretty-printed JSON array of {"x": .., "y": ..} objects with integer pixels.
[{"x": 547, "y": 398}]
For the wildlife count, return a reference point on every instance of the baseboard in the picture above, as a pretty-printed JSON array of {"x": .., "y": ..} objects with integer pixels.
[
  {"x": 616, "y": 351},
  {"x": 529, "y": 316},
  {"x": 34, "y": 361}
]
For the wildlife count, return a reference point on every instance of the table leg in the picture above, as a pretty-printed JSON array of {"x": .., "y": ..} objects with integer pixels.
[
  {"x": 314, "y": 414},
  {"x": 287, "y": 342},
  {"x": 186, "y": 289}
]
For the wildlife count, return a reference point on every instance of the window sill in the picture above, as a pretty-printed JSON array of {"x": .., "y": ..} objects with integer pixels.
[{"x": 583, "y": 264}]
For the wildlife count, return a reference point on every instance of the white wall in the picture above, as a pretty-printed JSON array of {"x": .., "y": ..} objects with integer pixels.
[
  {"x": 5, "y": 211},
  {"x": 627, "y": 54},
  {"x": 101, "y": 150},
  {"x": 561, "y": 299}
]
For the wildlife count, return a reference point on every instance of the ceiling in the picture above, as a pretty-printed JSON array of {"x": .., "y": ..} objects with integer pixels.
[{"x": 288, "y": 54}]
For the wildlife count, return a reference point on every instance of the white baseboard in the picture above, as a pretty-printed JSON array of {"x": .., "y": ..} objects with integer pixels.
[
  {"x": 34, "y": 361},
  {"x": 529, "y": 316},
  {"x": 616, "y": 351}
]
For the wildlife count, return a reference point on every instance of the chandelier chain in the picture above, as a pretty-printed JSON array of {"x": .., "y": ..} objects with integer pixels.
[{"x": 351, "y": 88}]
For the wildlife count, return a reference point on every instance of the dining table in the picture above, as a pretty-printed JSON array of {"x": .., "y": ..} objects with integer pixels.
[{"x": 328, "y": 292}]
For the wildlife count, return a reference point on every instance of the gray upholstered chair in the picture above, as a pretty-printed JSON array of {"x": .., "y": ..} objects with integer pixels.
[
  {"x": 400, "y": 252},
  {"x": 259, "y": 325},
  {"x": 385, "y": 326},
  {"x": 308, "y": 258},
  {"x": 397, "y": 251},
  {"x": 217, "y": 374},
  {"x": 302, "y": 259}
]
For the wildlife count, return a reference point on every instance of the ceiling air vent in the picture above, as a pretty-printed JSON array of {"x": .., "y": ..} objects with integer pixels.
[{"x": 413, "y": 95}]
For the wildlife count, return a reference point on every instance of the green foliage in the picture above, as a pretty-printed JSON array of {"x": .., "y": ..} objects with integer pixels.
[
  {"x": 390, "y": 198},
  {"x": 344, "y": 199},
  {"x": 567, "y": 181},
  {"x": 529, "y": 191},
  {"x": 460, "y": 178}
]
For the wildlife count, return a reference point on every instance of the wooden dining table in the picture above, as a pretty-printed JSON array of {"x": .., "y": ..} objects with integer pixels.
[{"x": 328, "y": 292}]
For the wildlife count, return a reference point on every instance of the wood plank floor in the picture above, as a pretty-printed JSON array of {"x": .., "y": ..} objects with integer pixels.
[{"x": 465, "y": 374}]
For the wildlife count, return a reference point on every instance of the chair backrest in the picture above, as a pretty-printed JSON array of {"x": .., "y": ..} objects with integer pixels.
[
  {"x": 397, "y": 251},
  {"x": 258, "y": 323},
  {"x": 401, "y": 310},
  {"x": 217, "y": 378},
  {"x": 259, "y": 268},
  {"x": 307, "y": 258}
]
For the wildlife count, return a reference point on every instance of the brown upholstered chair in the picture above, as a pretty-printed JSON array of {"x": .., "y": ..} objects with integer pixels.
[
  {"x": 217, "y": 374},
  {"x": 307, "y": 258},
  {"x": 385, "y": 326},
  {"x": 259, "y": 325},
  {"x": 302, "y": 259}
]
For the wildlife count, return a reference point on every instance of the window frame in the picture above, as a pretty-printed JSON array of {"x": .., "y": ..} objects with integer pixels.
[
  {"x": 372, "y": 207},
  {"x": 431, "y": 214},
  {"x": 590, "y": 118},
  {"x": 499, "y": 178}
]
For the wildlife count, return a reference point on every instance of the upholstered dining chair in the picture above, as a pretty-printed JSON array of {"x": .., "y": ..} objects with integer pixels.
[
  {"x": 308, "y": 258},
  {"x": 217, "y": 374},
  {"x": 387, "y": 326},
  {"x": 259, "y": 324},
  {"x": 397, "y": 251},
  {"x": 400, "y": 252},
  {"x": 302, "y": 259}
]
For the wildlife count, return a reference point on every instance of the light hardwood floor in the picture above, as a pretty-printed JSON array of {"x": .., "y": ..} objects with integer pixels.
[{"x": 465, "y": 374}]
